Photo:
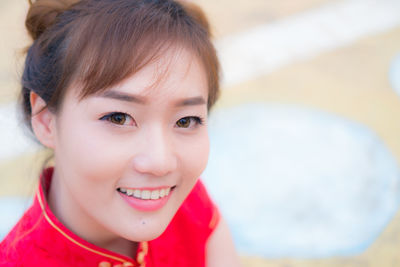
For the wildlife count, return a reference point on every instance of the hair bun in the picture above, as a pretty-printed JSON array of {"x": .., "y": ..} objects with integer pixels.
[{"x": 42, "y": 14}]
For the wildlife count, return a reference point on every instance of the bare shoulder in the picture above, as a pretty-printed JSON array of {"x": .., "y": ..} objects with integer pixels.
[{"x": 220, "y": 248}]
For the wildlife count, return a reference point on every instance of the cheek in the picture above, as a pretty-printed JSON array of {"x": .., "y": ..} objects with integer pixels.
[
  {"x": 195, "y": 156},
  {"x": 89, "y": 153}
]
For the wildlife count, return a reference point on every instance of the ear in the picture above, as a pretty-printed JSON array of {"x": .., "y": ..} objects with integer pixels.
[{"x": 42, "y": 120}]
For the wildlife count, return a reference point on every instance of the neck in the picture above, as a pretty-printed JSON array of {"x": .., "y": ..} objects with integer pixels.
[{"x": 71, "y": 215}]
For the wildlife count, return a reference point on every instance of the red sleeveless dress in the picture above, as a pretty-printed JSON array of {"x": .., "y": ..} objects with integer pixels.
[{"x": 39, "y": 239}]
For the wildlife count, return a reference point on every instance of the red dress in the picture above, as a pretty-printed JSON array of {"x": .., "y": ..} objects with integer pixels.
[{"x": 39, "y": 239}]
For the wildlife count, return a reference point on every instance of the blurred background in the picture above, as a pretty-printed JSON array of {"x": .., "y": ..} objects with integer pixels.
[{"x": 305, "y": 140}]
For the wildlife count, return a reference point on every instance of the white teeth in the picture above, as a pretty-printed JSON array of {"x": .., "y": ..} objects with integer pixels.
[
  {"x": 146, "y": 194},
  {"x": 162, "y": 193},
  {"x": 155, "y": 194},
  {"x": 137, "y": 193}
]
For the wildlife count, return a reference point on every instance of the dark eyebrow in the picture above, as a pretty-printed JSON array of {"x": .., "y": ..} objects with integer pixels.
[
  {"x": 123, "y": 97},
  {"x": 191, "y": 101}
]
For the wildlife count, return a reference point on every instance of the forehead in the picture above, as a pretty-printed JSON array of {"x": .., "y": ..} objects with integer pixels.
[{"x": 177, "y": 72}]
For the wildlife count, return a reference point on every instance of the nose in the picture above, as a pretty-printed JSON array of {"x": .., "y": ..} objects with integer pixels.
[{"x": 157, "y": 155}]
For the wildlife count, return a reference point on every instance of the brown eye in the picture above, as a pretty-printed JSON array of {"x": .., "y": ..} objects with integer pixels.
[
  {"x": 184, "y": 122},
  {"x": 189, "y": 122},
  {"x": 119, "y": 118}
]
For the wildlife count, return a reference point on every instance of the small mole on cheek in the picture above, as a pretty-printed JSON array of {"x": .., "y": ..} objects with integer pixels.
[{"x": 143, "y": 222}]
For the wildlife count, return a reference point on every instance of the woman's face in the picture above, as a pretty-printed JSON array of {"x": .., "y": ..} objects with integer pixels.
[{"x": 144, "y": 138}]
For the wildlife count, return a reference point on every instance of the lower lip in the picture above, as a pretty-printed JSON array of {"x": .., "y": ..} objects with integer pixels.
[{"x": 145, "y": 205}]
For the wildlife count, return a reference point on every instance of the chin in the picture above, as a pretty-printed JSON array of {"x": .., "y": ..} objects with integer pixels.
[
  {"x": 144, "y": 236},
  {"x": 145, "y": 231}
]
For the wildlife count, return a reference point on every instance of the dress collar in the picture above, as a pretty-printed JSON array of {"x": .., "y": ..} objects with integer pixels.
[{"x": 79, "y": 245}]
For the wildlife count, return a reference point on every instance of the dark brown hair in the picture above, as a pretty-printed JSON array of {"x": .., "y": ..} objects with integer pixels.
[{"x": 101, "y": 42}]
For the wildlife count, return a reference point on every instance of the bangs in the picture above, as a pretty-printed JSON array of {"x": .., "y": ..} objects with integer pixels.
[{"x": 118, "y": 38}]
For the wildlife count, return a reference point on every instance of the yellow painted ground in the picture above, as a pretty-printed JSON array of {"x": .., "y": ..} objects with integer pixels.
[
  {"x": 12, "y": 44},
  {"x": 228, "y": 17}
]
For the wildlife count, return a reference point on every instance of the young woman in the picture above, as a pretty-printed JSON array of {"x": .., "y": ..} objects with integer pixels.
[{"x": 120, "y": 90}]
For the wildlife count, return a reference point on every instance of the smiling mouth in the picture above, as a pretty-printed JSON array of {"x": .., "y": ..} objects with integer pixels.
[{"x": 146, "y": 194}]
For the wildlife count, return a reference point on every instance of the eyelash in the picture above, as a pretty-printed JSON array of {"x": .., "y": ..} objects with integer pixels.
[
  {"x": 108, "y": 117},
  {"x": 197, "y": 120}
]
